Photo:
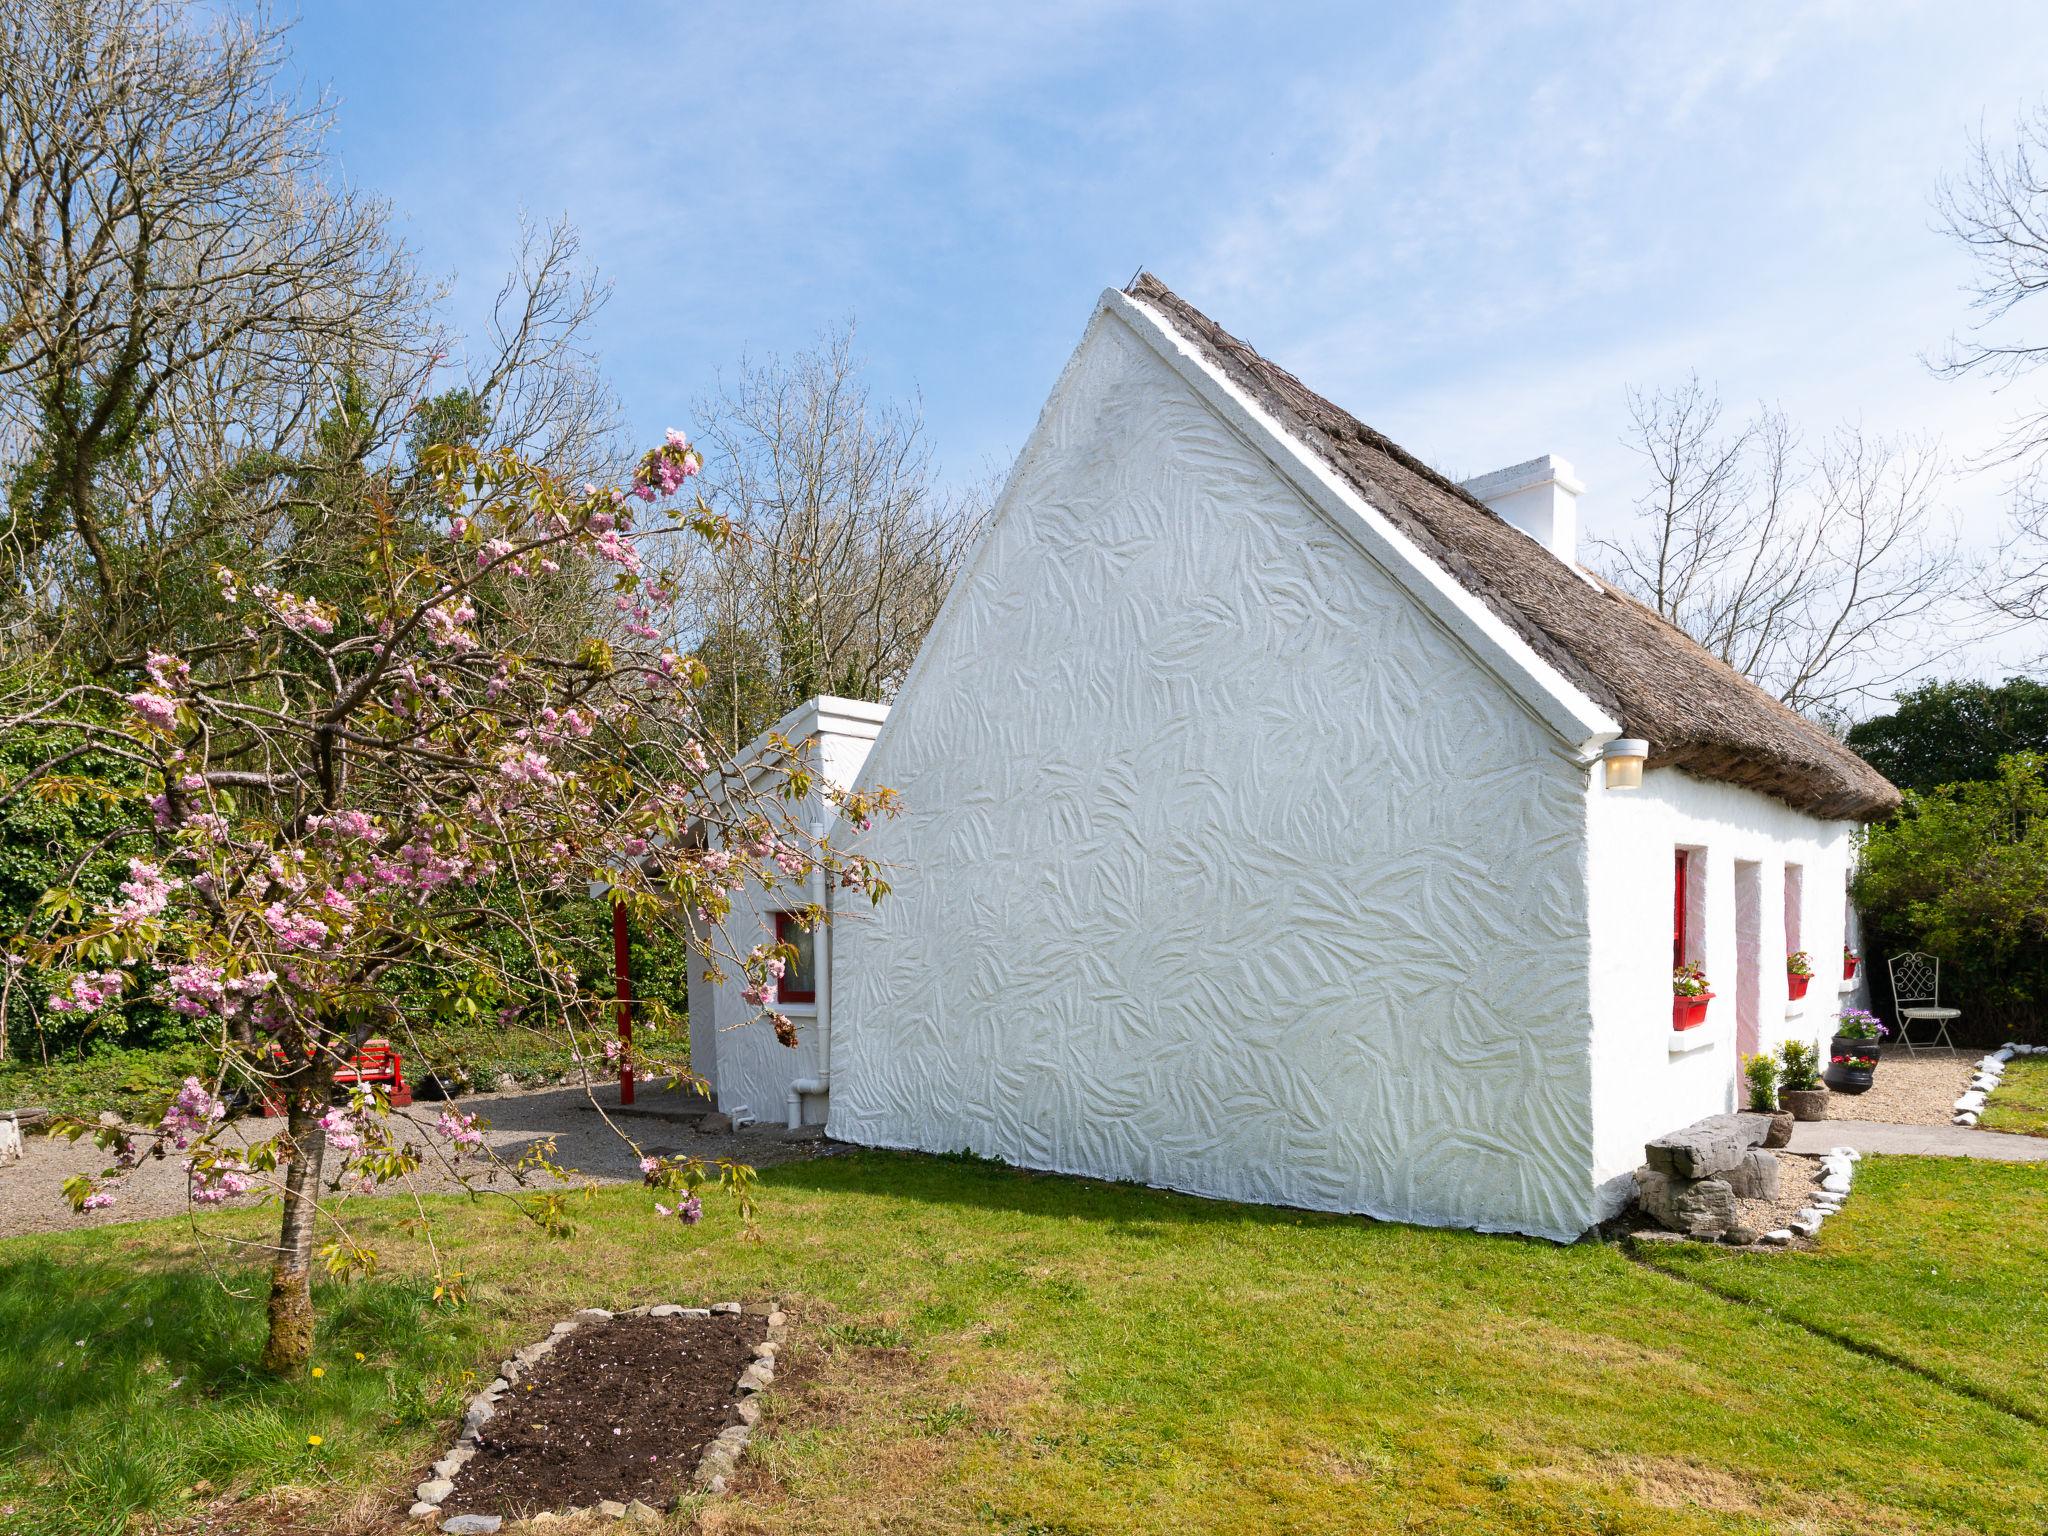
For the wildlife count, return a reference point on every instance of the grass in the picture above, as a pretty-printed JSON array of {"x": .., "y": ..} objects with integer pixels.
[
  {"x": 2020, "y": 1101},
  {"x": 981, "y": 1350}
]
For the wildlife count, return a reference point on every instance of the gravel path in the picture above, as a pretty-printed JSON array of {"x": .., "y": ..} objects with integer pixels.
[
  {"x": 30, "y": 1189},
  {"x": 1917, "y": 1088}
]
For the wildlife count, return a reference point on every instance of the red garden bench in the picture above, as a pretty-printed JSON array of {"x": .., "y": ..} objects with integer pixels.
[{"x": 376, "y": 1062}]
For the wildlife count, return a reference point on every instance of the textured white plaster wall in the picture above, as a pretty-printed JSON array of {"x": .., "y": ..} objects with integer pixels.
[
  {"x": 1648, "y": 1080},
  {"x": 1224, "y": 868}
]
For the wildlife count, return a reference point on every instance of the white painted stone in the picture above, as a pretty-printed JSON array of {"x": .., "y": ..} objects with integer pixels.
[
  {"x": 434, "y": 1490},
  {"x": 1779, "y": 1237},
  {"x": 422, "y": 1510},
  {"x": 1972, "y": 1100},
  {"x": 725, "y": 1308}
]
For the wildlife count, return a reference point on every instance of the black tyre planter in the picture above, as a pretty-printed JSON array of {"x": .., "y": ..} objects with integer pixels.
[
  {"x": 1842, "y": 1045},
  {"x": 1851, "y": 1079}
]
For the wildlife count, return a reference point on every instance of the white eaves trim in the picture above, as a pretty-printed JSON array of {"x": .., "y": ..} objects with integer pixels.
[{"x": 1549, "y": 694}]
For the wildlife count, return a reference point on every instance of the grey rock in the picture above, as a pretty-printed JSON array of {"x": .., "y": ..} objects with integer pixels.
[
  {"x": 611, "y": 1509},
  {"x": 545, "y": 1517},
  {"x": 755, "y": 1378},
  {"x": 421, "y": 1510},
  {"x": 768, "y": 1349},
  {"x": 478, "y": 1416},
  {"x": 472, "y": 1525},
  {"x": 454, "y": 1461},
  {"x": 777, "y": 1319},
  {"x": 566, "y": 1325},
  {"x": 1755, "y": 1177},
  {"x": 715, "y": 1124},
  {"x": 1696, "y": 1207},
  {"x": 1836, "y": 1184},
  {"x": 1708, "y": 1147},
  {"x": 668, "y": 1310},
  {"x": 596, "y": 1314},
  {"x": 434, "y": 1490},
  {"x": 694, "y": 1312},
  {"x": 641, "y": 1513},
  {"x": 1779, "y": 1238},
  {"x": 1739, "y": 1236},
  {"x": 1780, "y": 1133},
  {"x": 726, "y": 1308},
  {"x": 750, "y": 1411},
  {"x": 716, "y": 1484}
]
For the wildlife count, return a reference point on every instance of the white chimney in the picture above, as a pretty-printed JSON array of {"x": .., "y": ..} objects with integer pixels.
[{"x": 1541, "y": 498}]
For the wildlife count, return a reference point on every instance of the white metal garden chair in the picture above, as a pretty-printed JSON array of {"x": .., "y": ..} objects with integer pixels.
[{"x": 1916, "y": 997}]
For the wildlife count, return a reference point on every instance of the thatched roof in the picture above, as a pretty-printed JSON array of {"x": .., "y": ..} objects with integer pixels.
[{"x": 1697, "y": 712}]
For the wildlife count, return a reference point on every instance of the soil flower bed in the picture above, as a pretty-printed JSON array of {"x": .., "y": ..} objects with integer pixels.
[{"x": 619, "y": 1409}]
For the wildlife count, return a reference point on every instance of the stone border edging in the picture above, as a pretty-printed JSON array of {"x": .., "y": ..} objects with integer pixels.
[
  {"x": 1837, "y": 1174},
  {"x": 1970, "y": 1107},
  {"x": 717, "y": 1464}
]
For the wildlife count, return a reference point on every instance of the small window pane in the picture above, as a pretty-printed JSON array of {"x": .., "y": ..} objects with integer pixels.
[{"x": 799, "y": 983}]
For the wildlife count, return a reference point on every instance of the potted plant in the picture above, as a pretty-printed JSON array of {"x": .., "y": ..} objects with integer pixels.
[
  {"x": 1852, "y": 1073},
  {"x": 1761, "y": 1070},
  {"x": 1798, "y": 973},
  {"x": 1689, "y": 997},
  {"x": 1850, "y": 960},
  {"x": 1799, "y": 1086},
  {"x": 1857, "y": 1033}
]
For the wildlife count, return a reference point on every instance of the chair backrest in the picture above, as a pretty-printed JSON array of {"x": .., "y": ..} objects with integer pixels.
[{"x": 1916, "y": 978}]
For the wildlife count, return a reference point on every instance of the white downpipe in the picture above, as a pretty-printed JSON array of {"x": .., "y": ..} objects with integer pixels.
[{"x": 821, "y": 964}]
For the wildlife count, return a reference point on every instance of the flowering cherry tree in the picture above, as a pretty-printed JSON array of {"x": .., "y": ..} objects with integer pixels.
[{"x": 493, "y": 721}]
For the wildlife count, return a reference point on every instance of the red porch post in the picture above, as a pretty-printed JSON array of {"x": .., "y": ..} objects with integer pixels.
[{"x": 622, "y": 965}]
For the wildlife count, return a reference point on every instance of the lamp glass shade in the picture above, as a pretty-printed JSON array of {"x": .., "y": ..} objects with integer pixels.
[{"x": 1624, "y": 772}]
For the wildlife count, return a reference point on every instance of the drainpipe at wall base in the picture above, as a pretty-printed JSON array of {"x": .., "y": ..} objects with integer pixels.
[
  {"x": 802, "y": 1086},
  {"x": 821, "y": 962}
]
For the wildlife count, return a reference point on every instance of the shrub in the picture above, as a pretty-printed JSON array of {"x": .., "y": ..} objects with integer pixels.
[
  {"x": 1962, "y": 873},
  {"x": 1762, "y": 1073},
  {"x": 1799, "y": 1067}
]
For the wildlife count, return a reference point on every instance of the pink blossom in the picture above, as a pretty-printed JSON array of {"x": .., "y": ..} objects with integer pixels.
[
  {"x": 460, "y": 1130},
  {"x": 294, "y": 930},
  {"x": 690, "y": 1212},
  {"x": 196, "y": 988},
  {"x": 192, "y": 1113},
  {"x": 155, "y": 709},
  {"x": 166, "y": 671},
  {"x": 148, "y": 891},
  {"x": 343, "y": 1134},
  {"x": 88, "y": 992},
  {"x": 98, "y": 1200}
]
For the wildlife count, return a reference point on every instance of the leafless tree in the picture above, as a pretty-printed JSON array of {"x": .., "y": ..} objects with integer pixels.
[
  {"x": 1996, "y": 208},
  {"x": 200, "y": 324},
  {"x": 1823, "y": 574},
  {"x": 848, "y": 541}
]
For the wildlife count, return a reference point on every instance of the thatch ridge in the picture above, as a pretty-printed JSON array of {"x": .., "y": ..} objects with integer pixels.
[{"x": 1697, "y": 712}]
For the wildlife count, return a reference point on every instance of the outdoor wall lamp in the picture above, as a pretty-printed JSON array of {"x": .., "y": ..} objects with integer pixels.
[{"x": 1624, "y": 758}]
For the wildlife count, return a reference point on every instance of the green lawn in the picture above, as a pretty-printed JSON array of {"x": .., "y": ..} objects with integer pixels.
[
  {"x": 2020, "y": 1101},
  {"x": 987, "y": 1351}
]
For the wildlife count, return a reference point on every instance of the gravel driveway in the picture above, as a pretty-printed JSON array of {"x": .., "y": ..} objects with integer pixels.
[
  {"x": 30, "y": 1189},
  {"x": 1910, "y": 1088}
]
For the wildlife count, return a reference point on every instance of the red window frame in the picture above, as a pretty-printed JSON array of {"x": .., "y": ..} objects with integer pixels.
[
  {"x": 1681, "y": 867},
  {"x": 789, "y": 931}
]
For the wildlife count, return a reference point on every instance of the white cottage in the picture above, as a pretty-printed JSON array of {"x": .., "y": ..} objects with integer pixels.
[{"x": 1259, "y": 841}]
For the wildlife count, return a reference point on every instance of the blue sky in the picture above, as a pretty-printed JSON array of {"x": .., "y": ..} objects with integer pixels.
[{"x": 1473, "y": 225}]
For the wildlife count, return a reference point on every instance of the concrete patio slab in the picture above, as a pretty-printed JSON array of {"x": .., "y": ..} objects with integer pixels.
[{"x": 1816, "y": 1136}]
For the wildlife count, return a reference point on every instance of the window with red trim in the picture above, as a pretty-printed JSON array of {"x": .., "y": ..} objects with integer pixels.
[
  {"x": 799, "y": 982},
  {"x": 1682, "y": 867}
]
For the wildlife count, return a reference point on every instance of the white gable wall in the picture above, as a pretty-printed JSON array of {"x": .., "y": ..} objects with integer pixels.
[
  {"x": 1648, "y": 1079},
  {"x": 1225, "y": 867}
]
